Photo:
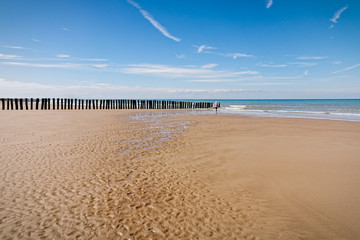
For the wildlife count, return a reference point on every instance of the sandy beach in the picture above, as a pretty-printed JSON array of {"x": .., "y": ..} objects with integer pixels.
[{"x": 156, "y": 175}]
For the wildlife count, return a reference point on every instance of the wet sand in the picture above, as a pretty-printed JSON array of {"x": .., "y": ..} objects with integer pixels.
[{"x": 105, "y": 175}]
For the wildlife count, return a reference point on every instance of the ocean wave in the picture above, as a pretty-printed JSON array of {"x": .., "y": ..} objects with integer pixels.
[{"x": 242, "y": 109}]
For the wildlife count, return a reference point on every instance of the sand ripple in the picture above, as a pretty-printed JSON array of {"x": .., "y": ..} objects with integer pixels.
[{"x": 104, "y": 179}]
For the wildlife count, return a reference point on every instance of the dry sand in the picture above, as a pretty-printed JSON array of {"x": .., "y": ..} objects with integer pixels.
[{"x": 104, "y": 175}]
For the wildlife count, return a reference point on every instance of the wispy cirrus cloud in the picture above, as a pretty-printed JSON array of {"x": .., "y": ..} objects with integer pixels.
[
  {"x": 311, "y": 57},
  {"x": 44, "y": 65},
  {"x": 100, "y": 65},
  {"x": 63, "y": 56},
  {"x": 9, "y": 56},
  {"x": 35, "y": 40},
  {"x": 95, "y": 59},
  {"x": 306, "y": 72},
  {"x": 211, "y": 65},
  {"x": 201, "y": 48},
  {"x": 152, "y": 20},
  {"x": 13, "y": 47},
  {"x": 347, "y": 69},
  {"x": 238, "y": 55},
  {"x": 65, "y": 29},
  {"x": 180, "y": 56},
  {"x": 103, "y": 90},
  {"x": 192, "y": 72},
  {"x": 272, "y": 65},
  {"x": 303, "y": 64},
  {"x": 337, "y": 14},
  {"x": 269, "y": 3}
]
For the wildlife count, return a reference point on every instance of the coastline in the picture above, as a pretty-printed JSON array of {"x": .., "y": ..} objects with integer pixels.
[{"x": 92, "y": 174}]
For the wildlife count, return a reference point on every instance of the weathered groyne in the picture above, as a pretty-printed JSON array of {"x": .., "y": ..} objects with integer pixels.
[{"x": 89, "y": 104}]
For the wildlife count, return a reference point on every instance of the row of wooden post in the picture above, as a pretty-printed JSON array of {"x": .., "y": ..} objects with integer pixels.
[{"x": 77, "y": 104}]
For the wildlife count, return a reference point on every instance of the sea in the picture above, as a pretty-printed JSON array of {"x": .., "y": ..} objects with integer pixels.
[{"x": 333, "y": 109}]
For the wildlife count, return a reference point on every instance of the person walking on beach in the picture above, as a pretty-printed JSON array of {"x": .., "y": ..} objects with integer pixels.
[{"x": 216, "y": 105}]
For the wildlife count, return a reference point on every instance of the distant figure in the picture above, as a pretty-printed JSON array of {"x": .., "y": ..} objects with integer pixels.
[{"x": 216, "y": 105}]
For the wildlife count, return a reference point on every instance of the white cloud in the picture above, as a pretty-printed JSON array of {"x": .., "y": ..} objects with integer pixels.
[
  {"x": 65, "y": 29},
  {"x": 336, "y": 62},
  {"x": 211, "y": 65},
  {"x": 7, "y": 56},
  {"x": 100, "y": 65},
  {"x": 181, "y": 72},
  {"x": 237, "y": 55},
  {"x": 152, "y": 20},
  {"x": 269, "y": 3},
  {"x": 266, "y": 84},
  {"x": 201, "y": 48},
  {"x": 303, "y": 64},
  {"x": 306, "y": 72},
  {"x": 35, "y": 40},
  {"x": 102, "y": 90},
  {"x": 331, "y": 26},
  {"x": 42, "y": 65},
  {"x": 212, "y": 80},
  {"x": 63, "y": 56},
  {"x": 272, "y": 65},
  {"x": 180, "y": 56},
  {"x": 337, "y": 14},
  {"x": 347, "y": 69},
  {"x": 95, "y": 59},
  {"x": 311, "y": 57},
  {"x": 13, "y": 47}
]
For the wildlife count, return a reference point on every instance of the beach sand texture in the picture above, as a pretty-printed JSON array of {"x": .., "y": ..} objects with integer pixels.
[{"x": 105, "y": 175}]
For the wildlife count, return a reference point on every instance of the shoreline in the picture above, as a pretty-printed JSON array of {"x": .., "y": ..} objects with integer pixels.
[{"x": 192, "y": 176}]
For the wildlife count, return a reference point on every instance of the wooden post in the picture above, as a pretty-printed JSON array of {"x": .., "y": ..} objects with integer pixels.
[
  {"x": 8, "y": 104},
  {"x": 53, "y": 103},
  {"x": 75, "y": 103},
  {"x": 21, "y": 104},
  {"x": 3, "y": 103},
  {"x": 16, "y": 104},
  {"x": 31, "y": 103}
]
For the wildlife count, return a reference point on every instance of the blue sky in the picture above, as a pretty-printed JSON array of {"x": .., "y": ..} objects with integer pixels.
[{"x": 180, "y": 49}]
